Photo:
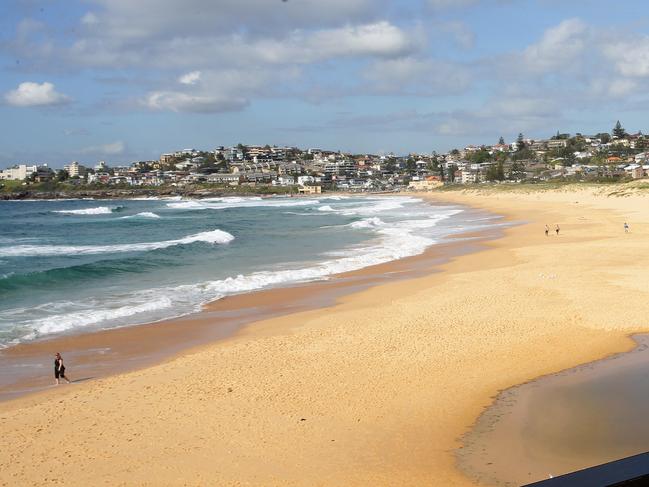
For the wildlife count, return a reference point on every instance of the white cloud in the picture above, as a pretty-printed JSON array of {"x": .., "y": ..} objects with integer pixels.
[
  {"x": 190, "y": 78},
  {"x": 558, "y": 48},
  {"x": 380, "y": 39},
  {"x": 30, "y": 94},
  {"x": 112, "y": 149},
  {"x": 198, "y": 103},
  {"x": 630, "y": 57}
]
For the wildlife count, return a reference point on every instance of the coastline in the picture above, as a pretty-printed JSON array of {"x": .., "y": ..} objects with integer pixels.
[
  {"x": 24, "y": 368},
  {"x": 374, "y": 389}
]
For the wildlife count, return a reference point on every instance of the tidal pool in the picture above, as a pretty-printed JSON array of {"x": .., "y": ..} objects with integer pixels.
[{"x": 564, "y": 422}]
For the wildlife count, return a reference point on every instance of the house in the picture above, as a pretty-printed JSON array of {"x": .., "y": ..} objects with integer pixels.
[
  {"x": 304, "y": 180},
  {"x": 469, "y": 176},
  {"x": 284, "y": 181},
  {"x": 166, "y": 158},
  {"x": 227, "y": 178},
  {"x": 636, "y": 171},
  {"x": 427, "y": 184},
  {"x": 557, "y": 144},
  {"x": 316, "y": 189},
  {"x": 18, "y": 172}
]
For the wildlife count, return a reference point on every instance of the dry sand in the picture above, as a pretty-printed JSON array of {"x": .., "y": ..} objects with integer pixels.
[{"x": 375, "y": 390}]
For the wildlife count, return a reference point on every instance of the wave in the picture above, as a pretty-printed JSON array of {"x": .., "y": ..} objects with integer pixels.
[
  {"x": 394, "y": 238},
  {"x": 237, "y": 202},
  {"x": 156, "y": 304},
  {"x": 144, "y": 214},
  {"x": 100, "y": 210},
  {"x": 373, "y": 222},
  {"x": 213, "y": 237},
  {"x": 54, "y": 278},
  {"x": 92, "y": 316}
]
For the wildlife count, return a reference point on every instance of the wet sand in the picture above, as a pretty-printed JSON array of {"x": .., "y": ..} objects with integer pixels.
[
  {"x": 581, "y": 417},
  {"x": 377, "y": 388}
]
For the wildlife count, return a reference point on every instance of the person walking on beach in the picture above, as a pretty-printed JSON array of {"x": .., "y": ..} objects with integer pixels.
[
  {"x": 626, "y": 227},
  {"x": 557, "y": 230},
  {"x": 59, "y": 369},
  {"x": 547, "y": 229}
]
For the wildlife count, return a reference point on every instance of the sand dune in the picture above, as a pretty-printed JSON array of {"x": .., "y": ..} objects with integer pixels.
[{"x": 376, "y": 390}]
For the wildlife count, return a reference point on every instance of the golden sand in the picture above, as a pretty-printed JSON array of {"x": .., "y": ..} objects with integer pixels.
[{"x": 375, "y": 390}]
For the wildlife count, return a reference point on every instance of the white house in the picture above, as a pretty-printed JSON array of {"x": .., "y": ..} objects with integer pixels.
[{"x": 18, "y": 172}]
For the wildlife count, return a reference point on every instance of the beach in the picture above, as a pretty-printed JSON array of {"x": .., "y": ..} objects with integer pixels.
[{"x": 375, "y": 388}]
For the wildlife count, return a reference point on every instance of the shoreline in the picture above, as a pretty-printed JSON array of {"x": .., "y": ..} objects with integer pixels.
[
  {"x": 549, "y": 419},
  {"x": 376, "y": 389},
  {"x": 24, "y": 368}
]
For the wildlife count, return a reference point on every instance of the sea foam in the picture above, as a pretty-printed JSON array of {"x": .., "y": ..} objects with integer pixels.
[
  {"x": 212, "y": 237},
  {"x": 144, "y": 214},
  {"x": 399, "y": 230},
  {"x": 100, "y": 210},
  {"x": 236, "y": 202}
]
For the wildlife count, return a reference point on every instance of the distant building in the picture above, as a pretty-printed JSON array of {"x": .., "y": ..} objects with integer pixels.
[
  {"x": 75, "y": 169},
  {"x": 19, "y": 172},
  {"x": 431, "y": 182},
  {"x": 557, "y": 143},
  {"x": 310, "y": 189},
  {"x": 166, "y": 158}
]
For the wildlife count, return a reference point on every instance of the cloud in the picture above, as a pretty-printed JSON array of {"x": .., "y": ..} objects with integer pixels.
[
  {"x": 460, "y": 33},
  {"x": 297, "y": 46},
  {"x": 190, "y": 78},
  {"x": 559, "y": 47},
  {"x": 112, "y": 149},
  {"x": 446, "y": 4},
  {"x": 185, "y": 102},
  {"x": 422, "y": 76},
  {"x": 90, "y": 19},
  {"x": 200, "y": 18},
  {"x": 30, "y": 94},
  {"x": 630, "y": 57}
]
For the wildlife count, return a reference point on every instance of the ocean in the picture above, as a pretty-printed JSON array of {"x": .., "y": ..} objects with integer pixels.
[{"x": 82, "y": 265}]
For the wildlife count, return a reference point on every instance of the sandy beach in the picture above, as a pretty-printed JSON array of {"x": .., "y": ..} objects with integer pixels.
[{"x": 376, "y": 389}]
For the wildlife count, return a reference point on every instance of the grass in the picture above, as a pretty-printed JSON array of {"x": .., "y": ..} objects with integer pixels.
[{"x": 605, "y": 187}]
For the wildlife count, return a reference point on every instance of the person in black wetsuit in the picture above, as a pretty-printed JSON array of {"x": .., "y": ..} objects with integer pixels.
[{"x": 59, "y": 369}]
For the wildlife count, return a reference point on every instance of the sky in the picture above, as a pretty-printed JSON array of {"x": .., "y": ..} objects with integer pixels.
[{"x": 126, "y": 80}]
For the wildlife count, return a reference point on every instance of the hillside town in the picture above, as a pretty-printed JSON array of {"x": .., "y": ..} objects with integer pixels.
[{"x": 600, "y": 157}]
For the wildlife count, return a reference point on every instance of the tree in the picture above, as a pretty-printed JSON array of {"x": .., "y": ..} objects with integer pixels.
[
  {"x": 516, "y": 171},
  {"x": 411, "y": 165},
  {"x": 520, "y": 142},
  {"x": 62, "y": 175},
  {"x": 491, "y": 174},
  {"x": 478, "y": 157},
  {"x": 618, "y": 130},
  {"x": 451, "y": 172},
  {"x": 500, "y": 171},
  {"x": 604, "y": 137},
  {"x": 501, "y": 141}
]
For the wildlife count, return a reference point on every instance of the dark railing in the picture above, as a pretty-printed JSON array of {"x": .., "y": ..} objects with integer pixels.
[{"x": 628, "y": 472}]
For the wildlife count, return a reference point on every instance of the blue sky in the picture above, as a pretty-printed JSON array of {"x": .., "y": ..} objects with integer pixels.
[{"x": 124, "y": 80}]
